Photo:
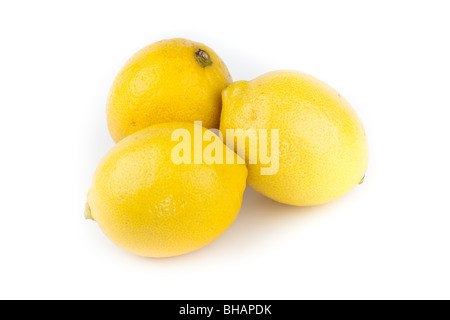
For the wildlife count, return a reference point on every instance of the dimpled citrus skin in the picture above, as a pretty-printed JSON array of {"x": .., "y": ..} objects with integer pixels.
[
  {"x": 322, "y": 143},
  {"x": 164, "y": 82},
  {"x": 152, "y": 207}
]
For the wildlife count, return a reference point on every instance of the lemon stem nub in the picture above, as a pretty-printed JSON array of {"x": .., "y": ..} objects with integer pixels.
[
  {"x": 87, "y": 213},
  {"x": 362, "y": 180},
  {"x": 203, "y": 58}
]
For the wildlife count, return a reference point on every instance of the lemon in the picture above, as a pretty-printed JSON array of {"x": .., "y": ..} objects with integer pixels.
[
  {"x": 322, "y": 151},
  {"x": 168, "y": 81},
  {"x": 150, "y": 206}
]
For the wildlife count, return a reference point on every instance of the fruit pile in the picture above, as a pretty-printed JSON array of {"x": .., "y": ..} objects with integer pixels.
[{"x": 189, "y": 140}]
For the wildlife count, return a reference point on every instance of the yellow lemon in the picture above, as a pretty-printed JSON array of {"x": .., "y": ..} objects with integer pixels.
[
  {"x": 168, "y": 81},
  {"x": 150, "y": 203},
  {"x": 321, "y": 149}
]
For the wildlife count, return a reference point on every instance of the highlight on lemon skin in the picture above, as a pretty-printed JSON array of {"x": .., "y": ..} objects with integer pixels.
[
  {"x": 168, "y": 81},
  {"x": 323, "y": 151},
  {"x": 150, "y": 206}
]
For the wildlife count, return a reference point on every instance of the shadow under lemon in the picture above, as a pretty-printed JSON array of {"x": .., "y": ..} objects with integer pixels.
[{"x": 259, "y": 223}]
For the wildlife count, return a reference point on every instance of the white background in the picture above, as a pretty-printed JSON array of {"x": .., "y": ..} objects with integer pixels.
[{"x": 386, "y": 239}]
